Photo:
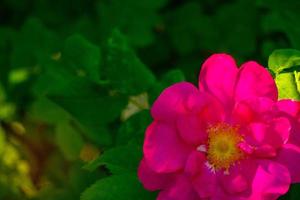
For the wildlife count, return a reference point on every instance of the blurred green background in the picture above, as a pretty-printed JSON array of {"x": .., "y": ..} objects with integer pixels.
[{"x": 77, "y": 78}]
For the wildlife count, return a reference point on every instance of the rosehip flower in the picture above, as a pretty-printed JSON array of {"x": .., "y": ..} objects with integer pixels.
[{"x": 231, "y": 139}]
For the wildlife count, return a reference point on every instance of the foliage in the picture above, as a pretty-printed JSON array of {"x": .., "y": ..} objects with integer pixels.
[{"x": 77, "y": 79}]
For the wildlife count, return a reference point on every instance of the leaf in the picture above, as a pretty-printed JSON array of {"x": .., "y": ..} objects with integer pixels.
[
  {"x": 33, "y": 45},
  {"x": 44, "y": 110},
  {"x": 136, "y": 19},
  {"x": 121, "y": 187},
  {"x": 6, "y": 36},
  {"x": 82, "y": 56},
  {"x": 92, "y": 106},
  {"x": 294, "y": 192},
  {"x": 283, "y": 59},
  {"x": 123, "y": 68},
  {"x": 237, "y": 34},
  {"x": 283, "y": 17},
  {"x": 172, "y": 76},
  {"x": 119, "y": 160},
  {"x": 287, "y": 86},
  {"x": 134, "y": 128},
  {"x": 189, "y": 29},
  {"x": 69, "y": 140}
]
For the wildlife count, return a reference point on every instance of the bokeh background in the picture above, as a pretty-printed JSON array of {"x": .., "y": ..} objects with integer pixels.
[{"x": 77, "y": 78}]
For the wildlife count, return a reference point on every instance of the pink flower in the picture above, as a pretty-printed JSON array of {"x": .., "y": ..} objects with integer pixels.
[{"x": 231, "y": 139}]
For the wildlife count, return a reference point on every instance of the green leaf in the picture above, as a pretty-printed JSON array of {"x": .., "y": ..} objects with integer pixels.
[
  {"x": 124, "y": 69},
  {"x": 6, "y": 35},
  {"x": 283, "y": 59},
  {"x": 136, "y": 19},
  {"x": 69, "y": 140},
  {"x": 121, "y": 187},
  {"x": 33, "y": 45},
  {"x": 92, "y": 106},
  {"x": 134, "y": 128},
  {"x": 189, "y": 29},
  {"x": 237, "y": 34},
  {"x": 283, "y": 18},
  {"x": 82, "y": 56},
  {"x": 119, "y": 160},
  {"x": 287, "y": 86},
  {"x": 172, "y": 76},
  {"x": 44, "y": 110},
  {"x": 294, "y": 192}
]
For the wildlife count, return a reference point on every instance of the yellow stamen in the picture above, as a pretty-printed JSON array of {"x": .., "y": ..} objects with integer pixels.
[{"x": 223, "y": 150}]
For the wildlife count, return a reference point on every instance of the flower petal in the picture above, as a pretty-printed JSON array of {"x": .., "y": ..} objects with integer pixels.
[
  {"x": 291, "y": 109},
  {"x": 181, "y": 189},
  {"x": 194, "y": 163},
  {"x": 254, "y": 109},
  {"x": 152, "y": 180},
  {"x": 237, "y": 184},
  {"x": 234, "y": 182},
  {"x": 205, "y": 183},
  {"x": 171, "y": 101},
  {"x": 191, "y": 129},
  {"x": 254, "y": 81},
  {"x": 271, "y": 180},
  {"x": 203, "y": 110},
  {"x": 218, "y": 76},
  {"x": 267, "y": 137},
  {"x": 289, "y": 156},
  {"x": 163, "y": 150}
]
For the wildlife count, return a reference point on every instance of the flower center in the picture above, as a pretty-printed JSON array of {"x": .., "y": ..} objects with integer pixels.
[{"x": 223, "y": 146}]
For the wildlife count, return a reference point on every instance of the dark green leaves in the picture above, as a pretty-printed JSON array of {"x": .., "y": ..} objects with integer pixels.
[
  {"x": 136, "y": 19},
  {"x": 124, "y": 70},
  {"x": 121, "y": 187},
  {"x": 33, "y": 45},
  {"x": 82, "y": 56},
  {"x": 93, "y": 106},
  {"x": 117, "y": 159},
  {"x": 283, "y": 17}
]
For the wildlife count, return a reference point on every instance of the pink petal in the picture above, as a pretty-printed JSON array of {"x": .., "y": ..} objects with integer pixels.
[
  {"x": 191, "y": 129},
  {"x": 194, "y": 163},
  {"x": 281, "y": 127},
  {"x": 267, "y": 137},
  {"x": 152, "y": 180},
  {"x": 171, "y": 101},
  {"x": 259, "y": 179},
  {"x": 205, "y": 183},
  {"x": 234, "y": 182},
  {"x": 163, "y": 149},
  {"x": 265, "y": 151},
  {"x": 271, "y": 180},
  {"x": 237, "y": 184},
  {"x": 291, "y": 109},
  {"x": 254, "y": 109},
  {"x": 218, "y": 76},
  {"x": 289, "y": 156},
  {"x": 254, "y": 81},
  {"x": 181, "y": 189},
  {"x": 242, "y": 113},
  {"x": 202, "y": 110}
]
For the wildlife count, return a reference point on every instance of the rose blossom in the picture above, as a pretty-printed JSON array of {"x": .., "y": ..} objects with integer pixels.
[{"x": 231, "y": 139}]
